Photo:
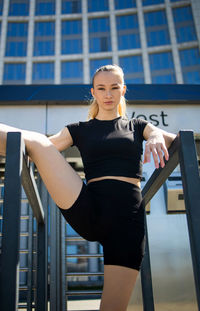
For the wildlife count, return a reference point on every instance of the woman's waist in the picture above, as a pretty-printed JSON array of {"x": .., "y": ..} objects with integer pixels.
[{"x": 131, "y": 180}]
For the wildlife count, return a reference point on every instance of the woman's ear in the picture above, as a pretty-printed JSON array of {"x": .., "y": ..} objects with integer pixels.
[
  {"x": 92, "y": 91},
  {"x": 124, "y": 90}
]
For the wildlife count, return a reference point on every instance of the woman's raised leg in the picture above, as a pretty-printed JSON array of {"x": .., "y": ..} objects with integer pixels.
[{"x": 61, "y": 180}]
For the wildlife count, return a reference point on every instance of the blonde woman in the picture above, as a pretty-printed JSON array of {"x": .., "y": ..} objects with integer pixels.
[{"x": 108, "y": 208}]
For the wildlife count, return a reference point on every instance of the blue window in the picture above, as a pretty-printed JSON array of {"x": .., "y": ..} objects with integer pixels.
[
  {"x": 19, "y": 8},
  {"x": 14, "y": 73},
  {"x": 16, "y": 44},
  {"x": 191, "y": 77},
  {"x": 71, "y": 6},
  {"x": 1, "y": 7},
  {"x": 156, "y": 28},
  {"x": 152, "y": 2},
  {"x": 96, "y": 63},
  {"x": 190, "y": 63},
  {"x": 164, "y": 79},
  {"x": 44, "y": 7},
  {"x": 44, "y": 38},
  {"x": 71, "y": 231},
  {"x": 43, "y": 73},
  {"x": 72, "y": 250},
  {"x": 97, "y": 5},
  {"x": 133, "y": 69},
  {"x": 125, "y": 4},
  {"x": 99, "y": 35},
  {"x": 72, "y": 37},
  {"x": 162, "y": 68},
  {"x": 72, "y": 72},
  {"x": 128, "y": 32},
  {"x": 184, "y": 24}
]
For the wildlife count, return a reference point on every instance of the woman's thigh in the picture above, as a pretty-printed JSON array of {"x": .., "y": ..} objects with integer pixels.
[
  {"x": 62, "y": 182},
  {"x": 119, "y": 282}
]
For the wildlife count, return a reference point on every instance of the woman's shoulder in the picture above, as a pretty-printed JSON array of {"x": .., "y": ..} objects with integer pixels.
[
  {"x": 79, "y": 123},
  {"x": 86, "y": 123}
]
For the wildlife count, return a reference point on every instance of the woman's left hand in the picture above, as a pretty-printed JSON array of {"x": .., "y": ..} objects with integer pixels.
[{"x": 157, "y": 143}]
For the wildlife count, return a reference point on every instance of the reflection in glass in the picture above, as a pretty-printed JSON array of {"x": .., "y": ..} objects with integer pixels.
[
  {"x": 128, "y": 32},
  {"x": 84, "y": 256},
  {"x": 43, "y": 72},
  {"x": 1, "y": 7},
  {"x": 16, "y": 43},
  {"x": 45, "y": 7},
  {"x": 152, "y": 2},
  {"x": 125, "y": 4},
  {"x": 133, "y": 68},
  {"x": 190, "y": 63},
  {"x": 72, "y": 37},
  {"x": 18, "y": 7},
  {"x": 156, "y": 28},
  {"x": 97, "y": 5},
  {"x": 14, "y": 73},
  {"x": 23, "y": 277},
  {"x": 162, "y": 68},
  {"x": 184, "y": 24},
  {"x": 99, "y": 35},
  {"x": 44, "y": 38},
  {"x": 72, "y": 72},
  {"x": 71, "y": 6}
]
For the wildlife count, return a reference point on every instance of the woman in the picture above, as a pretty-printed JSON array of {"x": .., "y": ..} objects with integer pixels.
[{"x": 108, "y": 209}]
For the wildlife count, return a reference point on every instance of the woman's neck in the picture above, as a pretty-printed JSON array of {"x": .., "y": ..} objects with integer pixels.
[{"x": 107, "y": 116}]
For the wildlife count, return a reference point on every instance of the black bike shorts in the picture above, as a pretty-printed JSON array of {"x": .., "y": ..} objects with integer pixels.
[{"x": 110, "y": 211}]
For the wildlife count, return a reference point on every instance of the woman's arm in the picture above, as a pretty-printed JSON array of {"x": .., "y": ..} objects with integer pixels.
[
  {"x": 158, "y": 141},
  {"x": 62, "y": 140}
]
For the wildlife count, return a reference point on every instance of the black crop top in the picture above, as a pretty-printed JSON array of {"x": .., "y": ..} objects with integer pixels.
[{"x": 110, "y": 147}]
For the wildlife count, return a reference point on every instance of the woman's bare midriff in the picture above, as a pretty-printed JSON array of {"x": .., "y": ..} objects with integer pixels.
[{"x": 131, "y": 180}]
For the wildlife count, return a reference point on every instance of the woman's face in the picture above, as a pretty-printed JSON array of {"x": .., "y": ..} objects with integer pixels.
[{"x": 108, "y": 89}]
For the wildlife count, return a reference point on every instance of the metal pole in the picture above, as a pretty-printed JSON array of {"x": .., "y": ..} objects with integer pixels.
[
  {"x": 30, "y": 260},
  {"x": 53, "y": 257},
  {"x": 63, "y": 265},
  {"x": 146, "y": 279},
  {"x": 191, "y": 189},
  {"x": 42, "y": 261},
  {"x": 9, "y": 279}
]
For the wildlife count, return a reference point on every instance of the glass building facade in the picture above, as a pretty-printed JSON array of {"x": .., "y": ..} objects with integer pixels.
[{"x": 49, "y": 41}]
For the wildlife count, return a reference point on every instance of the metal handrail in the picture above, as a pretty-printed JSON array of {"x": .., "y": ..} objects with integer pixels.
[
  {"x": 183, "y": 152},
  {"x": 18, "y": 172},
  {"x": 30, "y": 188}
]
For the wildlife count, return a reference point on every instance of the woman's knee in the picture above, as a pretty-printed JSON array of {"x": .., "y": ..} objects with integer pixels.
[{"x": 35, "y": 141}]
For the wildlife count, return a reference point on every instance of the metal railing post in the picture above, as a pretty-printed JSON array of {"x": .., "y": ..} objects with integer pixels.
[
  {"x": 9, "y": 279},
  {"x": 151, "y": 187},
  {"x": 56, "y": 281},
  {"x": 42, "y": 257},
  {"x": 191, "y": 190},
  {"x": 63, "y": 265},
  {"x": 146, "y": 278},
  {"x": 30, "y": 261}
]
